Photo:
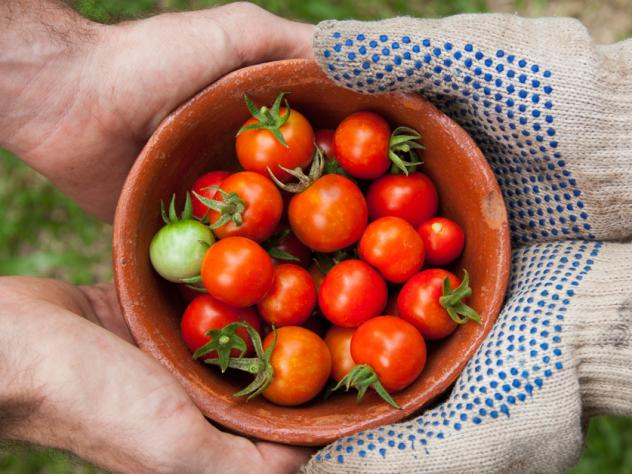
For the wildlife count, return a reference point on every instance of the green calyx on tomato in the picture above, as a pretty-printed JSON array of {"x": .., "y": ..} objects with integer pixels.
[
  {"x": 304, "y": 181},
  {"x": 223, "y": 341},
  {"x": 272, "y": 246},
  {"x": 187, "y": 212},
  {"x": 404, "y": 141},
  {"x": 230, "y": 208},
  {"x": 259, "y": 366},
  {"x": 362, "y": 377},
  {"x": 268, "y": 118},
  {"x": 453, "y": 304}
]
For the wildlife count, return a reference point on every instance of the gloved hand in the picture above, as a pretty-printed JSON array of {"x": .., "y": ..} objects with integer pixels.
[{"x": 553, "y": 114}]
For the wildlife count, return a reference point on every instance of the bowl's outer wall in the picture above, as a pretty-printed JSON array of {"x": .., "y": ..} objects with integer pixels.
[{"x": 199, "y": 137}]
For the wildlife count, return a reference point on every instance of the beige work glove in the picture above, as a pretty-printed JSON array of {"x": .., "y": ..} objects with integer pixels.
[{"x": 552, "y": 112}]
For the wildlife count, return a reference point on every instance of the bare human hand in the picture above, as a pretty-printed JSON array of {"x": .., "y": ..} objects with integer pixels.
[
  {"x": 77, "y": 386},
  {"x": 80, "y": 99},
  {"x": 77, "y": 102}
]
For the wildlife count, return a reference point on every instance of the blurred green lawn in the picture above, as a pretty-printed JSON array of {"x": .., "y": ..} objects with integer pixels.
[{"x": 43, "y": 233}]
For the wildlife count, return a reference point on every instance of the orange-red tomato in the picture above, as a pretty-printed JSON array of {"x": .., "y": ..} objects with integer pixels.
[
  {"x": 361, "y": 144},
  {"x": 413, "y": 198},
  {"x": 302, "y": 364},
  {"x": 264, "y": 207},
  {"x": 339, "y": 342},
  {"x": 329, "y": 215},
  {"x": 351, "y": 293},
  {"x": 237, "y": 271},
  {"x": 258, "y": 149},
  {"x": 393, "y": 348},
  {"x": 418, "y": 303},
  {"x": 291, "y": 299},
  {"x": 205, "y": 313},
  {"x": 443, "y": 240},
  {"x": 394, "y": 247}
]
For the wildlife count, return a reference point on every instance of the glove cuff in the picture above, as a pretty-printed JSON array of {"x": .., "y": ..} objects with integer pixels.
[{"x": 602, "y": 320}]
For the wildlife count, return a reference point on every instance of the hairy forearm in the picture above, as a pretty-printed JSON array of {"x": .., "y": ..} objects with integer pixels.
[{"x": 43, "y": 45}]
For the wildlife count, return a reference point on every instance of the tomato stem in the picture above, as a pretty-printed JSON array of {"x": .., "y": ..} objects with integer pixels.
[
  {"x": 304, "y": 181},
  {"x": 268, "y": 119},
  {"x": 223, "y": 341},
  {"x": 404, "y": 141},
  {"x": 260, "y": 366},
  {"x": 230, "y": 208},
  {"x": 451, "y": 301},
  {"x": 362, "y": 377}
]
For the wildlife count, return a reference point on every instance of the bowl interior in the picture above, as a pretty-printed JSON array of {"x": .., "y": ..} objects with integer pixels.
[{"x": 199, "y": 137}]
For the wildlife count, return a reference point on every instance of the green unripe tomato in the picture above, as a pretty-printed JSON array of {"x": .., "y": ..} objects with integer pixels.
[{"x": 176, "y": 251}]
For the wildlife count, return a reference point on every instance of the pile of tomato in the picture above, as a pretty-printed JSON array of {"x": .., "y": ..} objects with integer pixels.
[{"x": 327, "y": 245}]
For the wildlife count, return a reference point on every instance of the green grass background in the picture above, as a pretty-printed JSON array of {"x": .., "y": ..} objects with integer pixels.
[{"x": 43, "y": 233}]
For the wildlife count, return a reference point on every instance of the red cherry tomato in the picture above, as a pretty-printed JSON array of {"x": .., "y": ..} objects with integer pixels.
[
  {"x": 418, "y": 303},
  {"x": 361, "y": 145},
  {"x": 258, "y": 149},
  {"x": 393, "y": 348},
  {"x": 301, "y": 363},
  {"x": 264, "y": 207},
  {"x": 351, "y": 293},
  {"x": 339, "y": 342},
  {"x": 329, "y": 215},
  {"x": 237, "y": 271},
  {"x": 214, "y": 178},
  {"x": 205, "y": 313},
  {"x": 292, "y": 298},
  {"x": 325, "y": 141},
  {"x": 394, "y": 247},
  {"x": 443, "y": 240},
  {"x": 413, "y": 198}
]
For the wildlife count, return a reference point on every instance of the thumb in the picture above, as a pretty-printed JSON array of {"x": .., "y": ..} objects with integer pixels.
[{"x": 255, "y": 35}]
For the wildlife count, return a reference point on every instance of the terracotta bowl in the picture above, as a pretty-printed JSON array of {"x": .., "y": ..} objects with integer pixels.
[{"x": 199, "y": 137}]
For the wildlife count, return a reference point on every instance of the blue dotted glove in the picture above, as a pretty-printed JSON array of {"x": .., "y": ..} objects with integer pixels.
[{"x": 553, "y": 113}]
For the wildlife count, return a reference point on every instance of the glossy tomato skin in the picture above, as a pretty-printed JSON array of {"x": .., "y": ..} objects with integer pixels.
[
  {"x": 414, "y": 198},
  {"x": 394, "y": 247},
  {"x": 393, "y": 347},
  {"x": 213, "y": 178},
  {"x": 302, "y": 364},
  {"x": 361, "y": 145},
  {"x": 325, "y": 141},
  {"x": 237, "y": 271},
  {"x": 351, "y": 293},
  {"x": 329, "y": 215},
  {"x": 205, "y": 313},
  {"x": 257, "y": 149},
  {"x": 443, "y": 239},
  {"x": 339, "y": 342},
  {"x": 418, "y": 303},
  {"x": 264, "y": 207},
  {"x": 291, "y": 299}
]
